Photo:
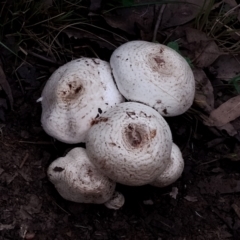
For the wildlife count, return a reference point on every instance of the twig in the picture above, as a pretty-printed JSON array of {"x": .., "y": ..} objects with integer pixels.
[
  {"x": 159, "y": 19},
  {"x": 24, "y": 160}
]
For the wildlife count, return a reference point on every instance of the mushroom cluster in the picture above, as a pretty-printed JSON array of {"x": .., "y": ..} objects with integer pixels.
[{"x": 127, "y": 142}]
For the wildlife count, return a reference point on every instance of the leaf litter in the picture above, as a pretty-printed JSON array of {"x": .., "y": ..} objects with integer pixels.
[
  {"x": 204, "y": 97},
  {"x": 225, "y": 113}
]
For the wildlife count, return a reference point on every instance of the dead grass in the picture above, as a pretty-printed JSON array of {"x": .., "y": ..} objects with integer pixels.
[
  {"x": 221, "y": 23},
  {"x": 32, "y": 27}
]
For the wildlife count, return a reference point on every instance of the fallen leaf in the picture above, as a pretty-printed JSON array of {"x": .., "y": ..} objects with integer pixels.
[
  {"x": 229, "y": 128},
  {"x": 204, "y": 48},
  {"x": 181, "y": 12},
  {"x": 236, "y": 125},
  {"x": 132, "y": 19},
  {"x": 204, "y": 97},
  {"x": 6, "y": 87},
  {"x": 225, "y": 113},
  {"x": 226, "y": 67},
  {"x": 196, "y": 45},
  {"x": 231, "y": 3}
]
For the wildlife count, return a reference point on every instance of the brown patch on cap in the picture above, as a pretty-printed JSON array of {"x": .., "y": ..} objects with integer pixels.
[
  {"x": 135, "y": 135},
  {"x": 98, "y": 120},
  {"x": 153, "y": 133},
  {"x": 130, "y": 114},
  {"x": 160, "y": 62},
  {"x": 165, "y": 111},
  {"x": 71, "y": 92}
]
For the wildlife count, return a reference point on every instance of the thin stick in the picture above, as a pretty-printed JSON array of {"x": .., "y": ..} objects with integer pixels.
[
  {"x": 44, "y": 58},
  {"x": 159, "y": 19},
  {"x": 24, "y": 160}
]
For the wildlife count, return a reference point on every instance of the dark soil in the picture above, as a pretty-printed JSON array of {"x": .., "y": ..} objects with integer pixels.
[{"x": 203, "y": 204}]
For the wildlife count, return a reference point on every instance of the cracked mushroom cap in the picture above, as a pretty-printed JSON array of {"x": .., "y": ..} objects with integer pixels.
[
  {"x": 130, "y": 143},
  {"x": 77, "y": 179},
  {"x": 173, "y": 169},
  {"x": 74, "y": 96},
  {"x": 154, "y": 74}
]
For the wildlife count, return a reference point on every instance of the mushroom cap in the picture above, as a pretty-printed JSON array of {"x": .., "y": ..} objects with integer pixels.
[
  {"x": 74, "y": 96},
  {"x": 154, "y": 74},
  {"x": 173, "y": 169},
  {"x": 116, "y": 201},
  {"x": 130, "y": 143},
  {"x": 77, "y": 179}
]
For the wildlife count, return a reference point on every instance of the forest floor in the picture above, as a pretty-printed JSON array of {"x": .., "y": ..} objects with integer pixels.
[{"x": 38, "y": 38}]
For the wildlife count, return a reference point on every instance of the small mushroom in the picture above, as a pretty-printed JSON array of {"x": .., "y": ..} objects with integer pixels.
[
  {"x": 74, "y": 96},
  {"x": 77, "y": 179},
  {"x": 130, "y": 143},
  {"x": 116, "y": 201},
  {"x": 153, "y": 74},
  {"x": 173, "y": 169}
]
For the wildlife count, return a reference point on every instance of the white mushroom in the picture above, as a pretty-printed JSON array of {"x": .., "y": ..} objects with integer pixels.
[
  {"x": 76, "y": 94},
  {"x": 76, "y": 179},
  {"x": 130, "y": 143},
  {"x": 153, "y": 74},
  {"x": 173, "y": 170}
]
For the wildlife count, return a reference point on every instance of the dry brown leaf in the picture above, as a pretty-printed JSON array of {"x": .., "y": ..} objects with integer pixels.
[
  {"x": 229, "y": 128},
  {"x": 231, "y": 3},
  {"x": 204, "y": 97},
  {"x": 196, "y": 45},
  {"x": 128, "y": 19},
  {"x": 183, "y": 11},
  {"x": 226, "y": 67},
  {"x": 225, "y": 113},
  {"x": 6, "y": 87},
  {"x": 205, "y": 50}
]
